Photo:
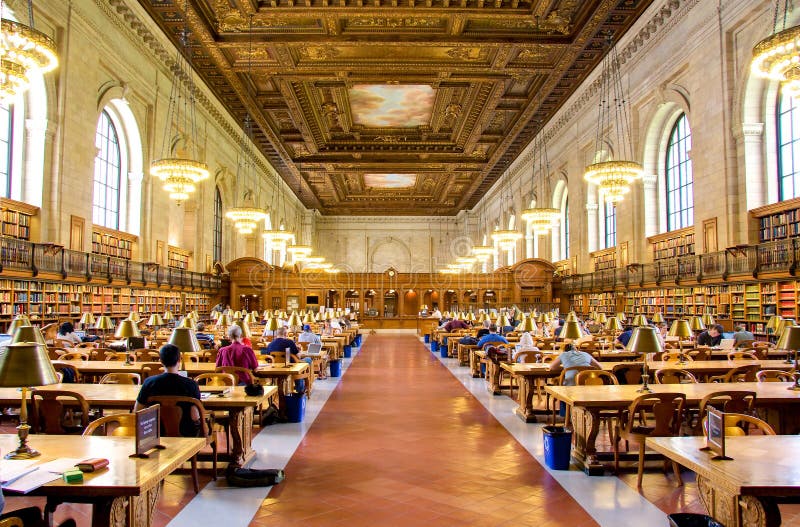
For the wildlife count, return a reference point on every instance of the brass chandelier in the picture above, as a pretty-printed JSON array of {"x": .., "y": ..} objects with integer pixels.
[
  {"x": 23, "y": 52},
  {"x": 179, "y": 168},
  {"x": 247, "y": 216},
  {"x": 541, "y": 219},
  {"x": 777, "y": 57},
  {"x": 614, "y": 176}
]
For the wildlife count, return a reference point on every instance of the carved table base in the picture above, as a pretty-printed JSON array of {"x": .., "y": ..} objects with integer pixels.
[
  {"x": 122, "y": 511},
  {"x": 737, "y": 511}
]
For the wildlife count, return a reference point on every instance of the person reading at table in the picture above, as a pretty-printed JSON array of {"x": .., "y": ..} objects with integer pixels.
[
  {"x": 492, "y": 337},
  {"x": 237, "y": 354},
  {"x": 710, "y": 337},
  {"x": 308, "y": 336},
  {"x": 281, "y": 343},
  {"x": 572, "y": 357},
  {"x": 455, "y": 324},
  {"x": 625, "y": 336},
  {"x": 66, "y": 332},
  {"x": 741, "y": 335},
  {"x": 172, "y": 383},
  {"x": 206, "y": 340}
]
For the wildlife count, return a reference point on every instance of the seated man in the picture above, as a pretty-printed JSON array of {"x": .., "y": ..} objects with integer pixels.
[
  {"x": 206, "y": 340},
  {"x": 625, "y": 336},
  {"x": 492, "y": 337},
  {"x": 172, "y": 383},
  {"x": 455, "y": 324},
  {"x": 741, "y": 335},
  {"x": 484, "y": 330},
  {"x": 281, "y": 343},
  {"x": 237, "y": 354},
  {"x": 710, "y": 337},
  {"x": 308, "y": 336}
]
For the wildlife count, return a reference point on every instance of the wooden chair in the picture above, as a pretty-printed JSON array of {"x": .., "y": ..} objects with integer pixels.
[
  {"x": 146, "y": 355},
  {"x": 738, "y": 374},
  {"x": 86, "y": 345},
  {"x": 55, "y": 353},
  {"x": 676, "y": 356},
  {"x": 172, "y": 408},
  {"x": 774, "y": 376},
  {"x": 742, "y": 355},
  {"x": 216, "y": 379},
  {"x": 193, "y": 357},
  {"x": 235, "y": 371},
  {"x": 120, "y": 356},
  {"x": 118, "y": 425},
  {"x": 146, "y": 369},
  {"x": 733, "y": 401},
  {"x": 63, "y": 343},
  {"x": 665, "y": 414},
  {"x": 745, "y": 344},
  {"x": 674, "y": 376},
  {"x": 74, "y": 355},
  {"x": 560, "y": 382},
  {"x": 600, "y": 378},
  {"x": 52, "y": 416},
  {"x": 739, "y": 425},
  {"x": 702, "y": 354},
  {"x": 121, "y": 378}
]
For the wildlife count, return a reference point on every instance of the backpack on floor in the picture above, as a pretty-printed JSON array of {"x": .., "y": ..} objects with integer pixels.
[{"x": 251, "y": 477}]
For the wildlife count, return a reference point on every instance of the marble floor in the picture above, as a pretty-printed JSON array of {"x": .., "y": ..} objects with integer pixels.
[{"x": 405, "y": 437}]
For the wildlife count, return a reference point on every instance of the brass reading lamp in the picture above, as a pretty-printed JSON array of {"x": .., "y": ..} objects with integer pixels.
[
  {"x": 696, "y": 324},
  {"x": 155, "y": 321},
  {"x": 104, "y": 323},
  {"x": 658, "y": 318},
  {"x": 186, "y": 341},
  {"x": 640, "y": 321},
  {"x": 502, "y": 323},
  {"x": 23, "y": 365},
  {"x": 601, "y": 318},
  {"x": 27, "y": 334},
  {"x": 772, "y": 324},
  {"x": 134, "y": 315},
  {"x": 680, "y": 328},
  {"x": 571, "y": 330},
  {"x": 308, "y": 318},
  {"x": 19, "y": 321},
  {"x": 245, "y": 328},
  {"x": 571, "y": 317},
  {"x": 273, "y": 325},
  {"x": 250, "y": 319},
  {"x": 127, "y": 329},
  {"x": 187, "y": 322},
  {"x": 527, "y": 324},
  {"x": 779, "y": 331},
  {"x": 621, "y": 316},
  {"x": 294, "y": 320},
  {"x": 644, "y": 340},
  {"x": 790, "y": 340},
  {"x": 168, "y": 316},
  {"x": 708, "y": 319},
  {"x": 224, "y": 321},
  {"x": 87, "y": 319},
  {"x": 613, "y": 324}
]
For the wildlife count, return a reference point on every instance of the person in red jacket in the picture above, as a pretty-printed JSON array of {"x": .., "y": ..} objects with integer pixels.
[{"x": 237, "y": 354}]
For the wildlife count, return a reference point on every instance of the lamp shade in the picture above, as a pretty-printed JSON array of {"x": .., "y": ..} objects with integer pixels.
[
  {"x": 87, "y": 319},
  {"x": 215, "y": 315},
  {"x": 482, "y": 317},
  {"x": 273, "y": 324},
  {"x": 26, "y": 364},
  {"x": 224, "y": 320},
  {"x": 187, "y": 322},
  {"x": 680, "y": 328},
  {"x": 250, "y": 319},
  {"x": 155, "y": 320},
  {"x": 658, "y": 318},
  {"x": 571, "y": 330},
  {"x": 601, "y": 318},
  {"x": 621, "y": 316},
  {"x": 185, "y": 339},
  {"x": 308, "y": 318},
  {"x": 789, "y": 339},
  {"x": 19, "y": 321},
  {"x": 267, "y": 314},
  {"x": 168, "y": 316},
  {"x": 27, "y": 334},
  {"x": 295, "y": 320},
  {"x": 696, "y": 323},
  {"x": 708, "y": 319},
  {"x": 527, "y": 324},
  {"x": 640, "y": 320},
  {"x": 134, "y": 315},
  {"x": 503, "y": 321},
  {"x": 542, "y": 318},
  {"x": 571, "y": 317},
  {"x": 245, "y": 328},
  {"x": 104, "y": 322},
  {"x": 127, "y": 328},
  {"x": 772, "y": 323},
  {"x": 471, "y": 316},
  {"x": 644, "y": 340},
  {"x": 613, "y": 324}
]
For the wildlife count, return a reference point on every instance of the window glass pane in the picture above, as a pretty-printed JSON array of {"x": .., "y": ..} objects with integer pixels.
[
  {"x": 107, "y": 174},
  {"x": 217, "y": 226},
  {"x": 6, "y": 118},
  {"x": 679, "y": 177},
  {"x": 788, "y": 124}
]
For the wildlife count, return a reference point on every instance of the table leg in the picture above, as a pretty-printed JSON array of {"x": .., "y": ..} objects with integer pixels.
[
  {"x": 241, "y": 427},
  {"x": 493, "y": 377},
  {"x": 120, "y": 511},
  {"x": 474, "y": 364},
  {"x": 527, "y": 386},
  {"x": 737, "y": 511},
  {"x": 586, "y": 425}
]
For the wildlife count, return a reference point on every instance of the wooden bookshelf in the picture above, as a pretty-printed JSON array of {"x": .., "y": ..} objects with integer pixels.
[
  {"x": 777, "y": 221},
  {"x": 178, "y": 258},
  {"x": 673, "y": 244},
  {"x": 112, "y": 243},
  {"x": 17, "y": 219},
  {"x": 605, "y": 259}
]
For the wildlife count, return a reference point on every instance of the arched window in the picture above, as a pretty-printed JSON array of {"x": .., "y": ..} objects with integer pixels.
[
  {"x": 610, "y": 221},
  {"x": 565, "y": 222},
  {"x": 788, "y": 147},
  {"x": 217, "y": 225},
  {"x": 679, "y": 177},
  {"x": 6, "y": 148},
  {"x": 107, "y": 174}
]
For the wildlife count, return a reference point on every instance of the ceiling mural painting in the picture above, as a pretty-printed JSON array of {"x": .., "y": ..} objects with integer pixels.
[{"x": 394, "y": 107}]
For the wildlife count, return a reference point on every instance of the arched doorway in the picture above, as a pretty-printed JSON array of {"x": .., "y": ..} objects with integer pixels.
[
  {"x": 410, "y": 303},
  {"x": 390, "y": 303},
  {"x": 351, "y": 301},
  {"x": 451, "y": 300},
  {"x": 332, "y": 298},
  {"x": 370, "y": 309},
  {"x": 489, "y": 299}
]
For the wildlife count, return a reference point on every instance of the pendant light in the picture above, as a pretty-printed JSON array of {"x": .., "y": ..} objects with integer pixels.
[
  {"x": 506, "y": 238},
  {"x": 777, "y": 57},
  {"x": 540, "y": 218}
]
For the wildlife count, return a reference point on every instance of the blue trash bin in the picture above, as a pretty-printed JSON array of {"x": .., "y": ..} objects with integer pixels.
[
  {"x": 348, "y": 351},
  {"x": 483, "y": 369},
  {"x": 557, "y": 445},
  {"x": 443, "y": 351},
  {"x": 434, "y": 346},
  {"x": 336, "y": 368},
  {"x": 427, "y": 338},
  {"x": 295, "y": 407}
]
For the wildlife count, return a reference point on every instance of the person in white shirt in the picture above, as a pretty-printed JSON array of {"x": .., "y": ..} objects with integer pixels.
[
  {"x": 436, "y": 314},
  {"x": 335, "y": 324},
  {"x": 308, "y": 336},
  {"x": 67, "y": 332},
  {"x": 526, "y": 341}
]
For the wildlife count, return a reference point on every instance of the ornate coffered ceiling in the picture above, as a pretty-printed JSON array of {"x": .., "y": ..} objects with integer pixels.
[{"x": 394, "y": 107}]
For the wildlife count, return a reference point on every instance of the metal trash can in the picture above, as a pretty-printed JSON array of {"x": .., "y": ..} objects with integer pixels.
[
  {"x": 685, "y": 519},
  {"x": 557, "y": 447}
]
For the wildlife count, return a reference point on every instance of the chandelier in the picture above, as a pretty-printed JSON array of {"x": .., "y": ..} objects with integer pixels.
[
  {"x": 277, "y": 237},
  {"x": 451, "y": 270},
  {"x": 777, "y": 57},
  {"x": 482, "y": 252},
  {"x": 178, "y": 167},
  {"x": 246, "y": 218},
  {"x": 506, "y": 238},
  {"x": 541, "y": 219},
  {"x": 613, "y": 176},
  {"x": 24, "y": 51},
  {"x": 299, "y": 252}
]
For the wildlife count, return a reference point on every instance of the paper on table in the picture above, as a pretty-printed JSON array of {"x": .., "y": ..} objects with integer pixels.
[
  {"x": 60, "y": 465},
  {"x": 32, "y": 481},
  {"x": 11, "y": 469}
]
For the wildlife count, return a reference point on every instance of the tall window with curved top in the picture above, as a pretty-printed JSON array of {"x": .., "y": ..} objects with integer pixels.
[
  {"x": 610, "y": 216},
  {"x": 679, "y": 176},
  {"x": 788, "y": 147},
  {"x": 565, "y": 221},
  {"x": 107, "y": 174},
  {"x": 217, "y": 225},
  {"x": 6, "y": 149}
]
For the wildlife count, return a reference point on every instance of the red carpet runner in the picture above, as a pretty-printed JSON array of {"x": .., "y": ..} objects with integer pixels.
[{"x": 400, "y": 442}]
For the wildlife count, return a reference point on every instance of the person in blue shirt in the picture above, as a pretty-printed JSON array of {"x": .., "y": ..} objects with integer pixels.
[
  {"x": 625, "y": 336},
  {"x": 492, "y": 337}
]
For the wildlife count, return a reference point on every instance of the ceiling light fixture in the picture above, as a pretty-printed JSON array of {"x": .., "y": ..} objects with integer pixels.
[
  {"x": 541, "y": 219},
  {"x": 777, "y": 57}
]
